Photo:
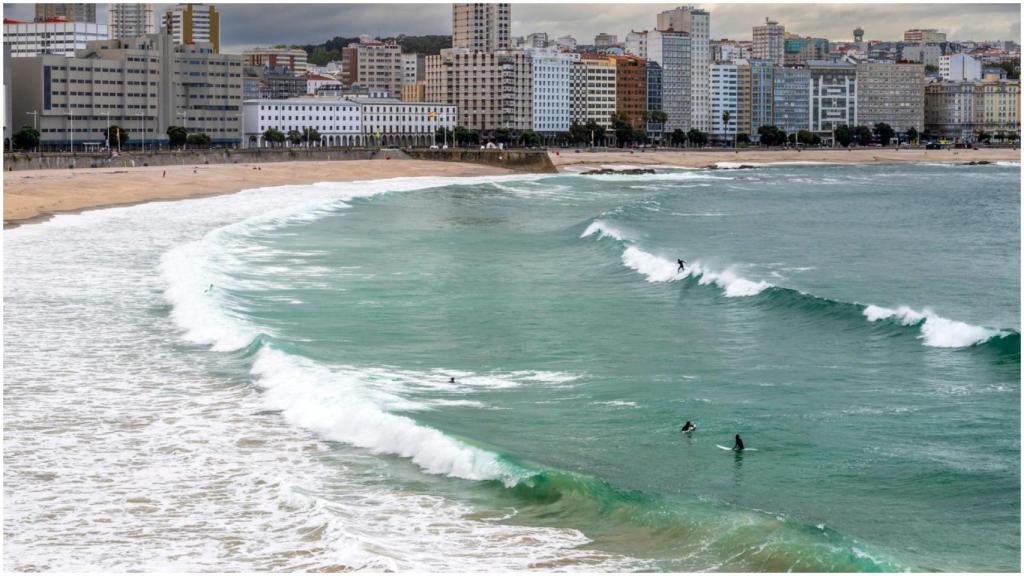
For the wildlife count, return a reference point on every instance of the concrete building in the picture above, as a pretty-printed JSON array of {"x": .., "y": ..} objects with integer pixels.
[
  {"x": 143, "y": 84},
  {"x": 603, "y": 40},
  {"x": 416, "y": 92},
  {"x": 724, "y": 101},
  {"x": 276, "y": 82},
  {"x": 655, "y": 130},
  {"x": 959, "y": 67},
  {"x": 130, "y": 20},
  {"x": 797, "y": 51},
  {"x": 293, "y": 58},
  {"x": 599, "y": 96},
  {"x": 997, "y": 106},
  {"x": 379, "y": 66},
  {"x": 672, "y": 52},
  {"x": 193, "y": 23},
  {"x": 743, "y": 97},
  {"x": 57, "y": 37},
  {"x": 552, "y": 90},
  {"x": 349, "y": 121},
  {"x": 577, "y": 93},
  {"x": 80, "y": 12},
  {"x": 414, "y": 68},
  {"x": 490, "y": 89},
  {"x": 480, "y": 26},
  {"x": 636, "y": 43},
  {"x": 761, "y": 95},
  {"x": 924, "y": 36},
  {"x": 891, "y": 93},
  {"x": 791, "y": 99},
  {"x": 858, "y": 34},
  {"x": 949, "y": 110},
  {"x": 697, "y": 24},
  {"x": 566, "y": 43},
  {"x": 769, "y": 42},
  {"x": 631, "y": 89},
  {"x": 537, "y": 40},
  {"x": 833, "y": 96},
  {"x": 728, "y": 50},
  {"x": 927, "y": 54},
  {"x": 319, "y": 84},
  {"x": 349, "y": 65}
]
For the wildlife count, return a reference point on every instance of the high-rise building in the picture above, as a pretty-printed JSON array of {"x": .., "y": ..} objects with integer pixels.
[
  {"x": 631, "y": 89},
  {"x": 769, "y": 42},
  {"x": 599, "y": 93},
  {"x": 743, "y": 98},
  {"x": 603, "y": 40},
  {"x": 791, "y": 101},
  {"x": 761, "y": 96},
  {"x": 193, "y": 23},
  {"x": 858, "y": 35},
  {"x": 578, "y": 93},
  {"x": 413, "y": 68},
  {"x": 636, "y": 43},
  {"x": 927, "y": 54},
  {"x": 537, "y": 40},
  {"x": 798, "y": 50},
  {"x": 724, "y": 101},
  {"x": 833, "y": 96},
  {"x": 143, "y": 84},
  {"x": 54, "y": 37},
  {"x": 379, "y": 66},
  {"x": 130, "y": 20},
  {"x": 482, "y": 27},
  {"x": 81, "y": 12},
  {"x": 959, "y": 67},
  {"x": 697, "y": 24},
  {"x": 490, "y": 89},
  {"x": 927, "y": 35},
  {"x": 728, "y": 50},
  {"x": 293, "y": 58},
  {"x": 566, "y": 43},
  {"x": 552, "y": 90},
  {"x": 672, "y": 52},
  {"x": 891, "y": 93},
  {"x": 654, "y": 102}
]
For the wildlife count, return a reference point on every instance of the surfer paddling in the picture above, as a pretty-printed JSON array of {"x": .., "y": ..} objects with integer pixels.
[{"x": 688, "y": 427}]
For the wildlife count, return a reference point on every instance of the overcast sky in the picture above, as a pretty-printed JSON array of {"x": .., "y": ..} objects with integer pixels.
[{"x": 246, "y": 25}]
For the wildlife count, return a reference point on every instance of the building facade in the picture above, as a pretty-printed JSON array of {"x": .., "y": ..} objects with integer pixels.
[
  {"x": 892, "y": 94},
  {"x": 603, "y": 40},
  {"x": 833, "y": 96},
  {"x": 927, "y": 54},
  {"x": 490, "y": 89},
  {"x": 416, "y": 92},
  {"x": 797, "y": 51},
  {"x": 655, "y": 130},
  {"x": 50, "y": 37},
  {"x": 957, "y": 67},
  {"x": 192, "y": 23},
  {"x": 958, "y": 111},
  {"x": 480, "y": 26},
  {"x": 928, "y": 35},
  {"x": 769, "y": 42},
  {"x": 631, "y": 90},
  {"x": 696, "y": 23},
  {"x": 672, "y": 52},
  {"x": 130, "y": 20},
  {"x": 144, "y": 84},
  {"x": 762, "y": 77},
  {"x": 413, "y": 68},
  {"x": 80, "y": 12},
  {"x": 293, "y": 58},
  {"x": 791, "y": 99},
  {"x": 636, "y": 43},
  {"x": 379, "y": 67},
  {"x": 552, "y": 91},
  {"x": 599, "y": 96},
  {"x": 724, "y": 101}
]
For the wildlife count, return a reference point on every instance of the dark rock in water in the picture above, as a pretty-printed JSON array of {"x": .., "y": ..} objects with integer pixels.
[
  {"x": 977, "y": 163},
  {"x": 628, "y": 171}
]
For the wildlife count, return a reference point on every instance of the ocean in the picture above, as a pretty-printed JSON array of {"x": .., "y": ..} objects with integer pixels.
[{"x": 491, "y": 374}]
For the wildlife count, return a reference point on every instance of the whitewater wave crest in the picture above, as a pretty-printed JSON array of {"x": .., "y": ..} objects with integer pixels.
[{"x": 936, "y": 330}]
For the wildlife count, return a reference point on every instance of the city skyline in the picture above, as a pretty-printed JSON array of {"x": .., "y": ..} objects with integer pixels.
[{"x": 244, "y": 26}]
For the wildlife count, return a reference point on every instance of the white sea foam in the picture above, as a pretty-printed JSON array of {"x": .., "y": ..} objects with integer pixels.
[
  {"x": 936, "y": 330},
  {"x": 603, "y": 230},
  {"x": 736, "y": 165},
  {"x": 1007, "y": 163},
  {"x": 670, "y": 176},
  {"x": 657, "y": 269}
]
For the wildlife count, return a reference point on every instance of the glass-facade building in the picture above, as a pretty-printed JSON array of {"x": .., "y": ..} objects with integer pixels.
[{"x": 791, "y": 99}]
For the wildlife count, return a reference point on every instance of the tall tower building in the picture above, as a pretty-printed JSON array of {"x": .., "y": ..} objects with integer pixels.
[
  {"x": 858, "y": 35},
  {"x": 697, "y": 24},
  {"x": 130, "y": 20},
  {"x": 191, "y": 23},
  {"x": 73, "y": 12},
  {"x": 769, "y": 42},
  {"x": 483, "y": 27}
]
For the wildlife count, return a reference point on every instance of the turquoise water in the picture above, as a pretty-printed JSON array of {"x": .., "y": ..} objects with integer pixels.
[{"x": 858, "y": 326}]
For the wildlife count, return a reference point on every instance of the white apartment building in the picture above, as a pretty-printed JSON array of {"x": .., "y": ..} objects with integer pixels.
[
  {"x": 956, "y": 67},
  {"x": 724, "y": 100},
  {"x": 348, "y": 121},
  {"x": 769, "y": 42},
  {"x": 551, "y": 90},
  {"x": 319, "y": 83},
  {"x": 696, "y": 23},
  {"x": 636, "y": 43},
  {"x": 61, "y": 38},
  {"x": 380, "y": 66},
  {"x": 192, "y": 23},
  {"x": 130, "y": 20},
  {"x": 833, "y": 96},
  {"x": 480, "y": 26}
]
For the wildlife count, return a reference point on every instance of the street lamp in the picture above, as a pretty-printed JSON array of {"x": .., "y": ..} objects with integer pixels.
[
  {"x": 35, "y": 126},
  {"x": 106, "y": 135},
  {"x": 71, "y": 133},
  {"x": 143, "y": 116}
]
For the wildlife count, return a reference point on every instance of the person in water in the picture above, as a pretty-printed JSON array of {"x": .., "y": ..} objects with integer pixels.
[
  {"x": 738, "y": 446},
  {"x": 682, "y": 264},
  {"x": 688, "y": 427},
  {"x": 451, "y": 380}
]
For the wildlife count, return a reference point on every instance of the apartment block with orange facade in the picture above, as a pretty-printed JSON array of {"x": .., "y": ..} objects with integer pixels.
[{"x": 631, "y": 89}]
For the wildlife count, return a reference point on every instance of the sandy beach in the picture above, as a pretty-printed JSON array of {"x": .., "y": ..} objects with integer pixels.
[
  {"x": 699, "y": 159},
  {"x": 34, "y": 195}
]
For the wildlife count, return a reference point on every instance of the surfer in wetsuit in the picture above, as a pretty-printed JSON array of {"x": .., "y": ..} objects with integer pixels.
[
  {"x": 451, "y": 380},
  {"x": 688, "y": 427},
  {"x": 682, "y": 264},
  {"x": 738, "y": 446}
]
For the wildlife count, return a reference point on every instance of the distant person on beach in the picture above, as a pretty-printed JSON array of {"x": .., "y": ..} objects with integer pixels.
[
  {"x": 682, "y": 264},
  {"x": 688, "y": 427},
  {"x": 738, "y": 446}
]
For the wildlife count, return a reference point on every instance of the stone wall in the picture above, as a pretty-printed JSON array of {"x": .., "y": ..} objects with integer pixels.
[{"x": 518, "y": 160}]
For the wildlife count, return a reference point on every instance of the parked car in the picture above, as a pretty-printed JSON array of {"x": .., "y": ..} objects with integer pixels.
[{"x": 933, "y": 146}]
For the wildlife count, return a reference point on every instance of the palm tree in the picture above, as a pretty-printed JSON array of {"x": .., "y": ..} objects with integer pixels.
[{"x": 725, "y": 121}]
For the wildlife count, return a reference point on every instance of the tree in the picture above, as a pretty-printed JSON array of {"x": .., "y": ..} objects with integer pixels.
[
  {"x": 563, "y": 138},
  {"x": 112, "y": 136},
  {"x": 911, "y": 134},
  {"x": 771, "y": 136},
  {"x": 678, "y": 137},
  {"x": 199, "y": 140},
  {"x": 742, "y": 138},
  {"x": 444, "y": 135},
  {"x": 1012, "y": 68},
  {"x": 843, "y": 134},
  {"x": 983, "y": 136},
  {"x": 657, "y": 116},
  {"x": 503, "y": 136},
  {"x": 622, "y": 128},
  {"x": 884, "y": 133},
  {"x": 295, "y": 137},
  {"x": 459, "y": 136},
  {"x": 726, "y": 116},
  {"x": 805, "y": 137},
  {"x": 26, "y": 139},
  {"x": 863, "y": 135},
  {"x": 310, "y": 136},
  {"x": 579, "y": 134},
  {"x": 595, "y": 132},
  {"x": 696, "y": 137},
  {"x": 274, "y": 136},
  {"x": 531, "y": 139},
  {"x": 176, "y": 135},
  {"x": 931, "y": 68}
]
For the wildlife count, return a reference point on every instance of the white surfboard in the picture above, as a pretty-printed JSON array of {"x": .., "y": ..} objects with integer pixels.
[{"x": 731, "y": 450}]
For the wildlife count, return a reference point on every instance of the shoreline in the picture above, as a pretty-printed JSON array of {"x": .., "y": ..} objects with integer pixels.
[
  {"x": 38, "y": 195},
  {"x": 564, "y": 158}
]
